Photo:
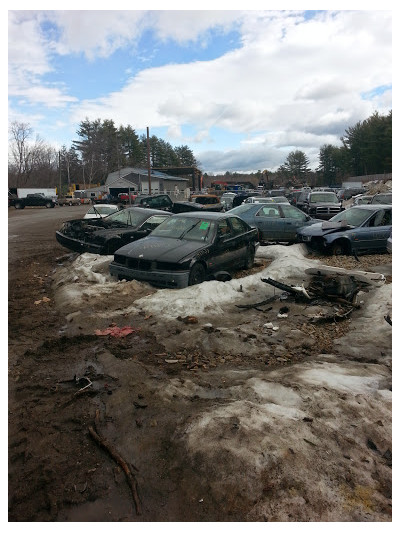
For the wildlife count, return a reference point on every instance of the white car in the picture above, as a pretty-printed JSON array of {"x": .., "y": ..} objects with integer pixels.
[{"x": 101, "y": 210}]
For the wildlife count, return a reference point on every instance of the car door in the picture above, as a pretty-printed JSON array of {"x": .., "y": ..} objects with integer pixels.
[
  {"x": 292, "y": 220},
  {"x": 269, "y": 223},
  {"x": 225, "y": 252},
  {"x": 375, "y": 233}
]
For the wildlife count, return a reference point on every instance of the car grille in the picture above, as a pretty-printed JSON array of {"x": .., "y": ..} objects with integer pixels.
[
  {"x": 327, "y": 210},
  {"x": 140, "y": 264}
]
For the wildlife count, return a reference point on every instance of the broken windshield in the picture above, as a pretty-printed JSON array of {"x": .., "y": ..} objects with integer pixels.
[{"x": 352, "y": 217}]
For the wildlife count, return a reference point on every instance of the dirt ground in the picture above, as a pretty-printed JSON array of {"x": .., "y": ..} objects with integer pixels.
[{"x": 184, "y": 406}]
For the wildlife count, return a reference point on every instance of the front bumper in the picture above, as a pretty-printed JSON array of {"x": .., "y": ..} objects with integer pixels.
[
  {"x": 158, "y": 278},
  {"x": 77, "y": 245}
]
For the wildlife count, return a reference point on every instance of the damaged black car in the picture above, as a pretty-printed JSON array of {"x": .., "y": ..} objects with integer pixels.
[
  {"x": 105, "y": 235},
  {"x": 363, "y": 228},
  {"x": 187, "y": 249}
]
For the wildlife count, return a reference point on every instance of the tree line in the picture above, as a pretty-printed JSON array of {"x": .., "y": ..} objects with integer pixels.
[{"x": 102, "y": 148}]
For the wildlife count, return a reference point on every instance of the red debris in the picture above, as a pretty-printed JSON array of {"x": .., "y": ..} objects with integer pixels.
[{"x": 115, "y": 331}]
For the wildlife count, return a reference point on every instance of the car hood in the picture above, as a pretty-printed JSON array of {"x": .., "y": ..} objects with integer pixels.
[
  {"x": 161, "y": 249},
  {"x": 323, "y": 228}
]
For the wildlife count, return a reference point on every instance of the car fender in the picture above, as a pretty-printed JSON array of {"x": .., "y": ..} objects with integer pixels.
[{"x": 330, "y": 238}]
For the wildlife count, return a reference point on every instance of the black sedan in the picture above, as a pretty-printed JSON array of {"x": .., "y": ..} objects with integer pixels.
[
  {"x": 188, "y": 249},
  {"x": 275, "y": 222},
  {"x": 363, "y": 228},
  {"x": 105, "y": 235}
]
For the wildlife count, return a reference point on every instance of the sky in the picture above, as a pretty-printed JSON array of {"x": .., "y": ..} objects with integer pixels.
[{"x": 242, "y": 88}]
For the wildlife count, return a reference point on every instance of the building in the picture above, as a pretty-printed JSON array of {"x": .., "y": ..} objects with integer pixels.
[{"x": 137, "y": 180}]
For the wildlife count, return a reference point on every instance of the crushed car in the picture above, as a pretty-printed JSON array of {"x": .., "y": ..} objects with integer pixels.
[
  {"x": 187, "y": 249},
  {"x": 208, "y": 202},
  {"x": 275, "y": 222},
  {"x": 362, "y": 228},
  {"x": 105, "y": 235}
]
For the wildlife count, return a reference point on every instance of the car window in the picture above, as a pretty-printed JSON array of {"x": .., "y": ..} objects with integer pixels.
[
  {"x": 238, "y": 226},
  {"x": 269, "y": 212},
  {"x": 323, "y": 197},
  {"x": 382, "y": 218},
  {"x": 224, "y": 230},
  {"x": 291, "y": 212}
]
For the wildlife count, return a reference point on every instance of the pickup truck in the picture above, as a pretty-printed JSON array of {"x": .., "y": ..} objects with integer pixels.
[
  {"x": 68, "y": 200},
  {"x": 33, "y": 200}
]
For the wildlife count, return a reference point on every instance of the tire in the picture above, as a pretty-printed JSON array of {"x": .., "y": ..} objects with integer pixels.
[
  {"x": 249, "y": 262},
  {"x": 48, "y": 204},
  {"x": 340, "y": 248},
  {"x": 197, "y": 274},
  {"x": 70, "y": 203},
  {"x": 18, "y": 205}
]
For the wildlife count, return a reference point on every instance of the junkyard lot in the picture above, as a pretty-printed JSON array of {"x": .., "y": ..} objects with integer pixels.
[{"x": 152, "y": 411}]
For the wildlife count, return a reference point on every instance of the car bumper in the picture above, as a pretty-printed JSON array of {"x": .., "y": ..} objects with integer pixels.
[
  {"x": 77, "y": 245},
  {"x": 158, "y": 278}
]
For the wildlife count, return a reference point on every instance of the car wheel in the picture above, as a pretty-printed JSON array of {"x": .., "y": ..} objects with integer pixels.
[
  {"x": 49, "y": 204},
  {"x": 249, "y": 262},
  {"x": 18, "y": 205},
  {"x": 340, "y": 248},
  {"x": 70, "y": 203},
  {"x": 197, "y": 274}
]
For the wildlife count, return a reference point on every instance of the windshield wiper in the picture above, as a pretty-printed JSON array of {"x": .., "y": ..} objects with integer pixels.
[{"x": 189, "y": 229}]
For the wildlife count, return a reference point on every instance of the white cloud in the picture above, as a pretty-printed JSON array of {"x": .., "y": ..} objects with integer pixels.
[{"x": 293, "y": 82}]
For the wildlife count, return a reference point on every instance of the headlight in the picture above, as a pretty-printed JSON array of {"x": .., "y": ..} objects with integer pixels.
[{"x": 306, "y": 238}]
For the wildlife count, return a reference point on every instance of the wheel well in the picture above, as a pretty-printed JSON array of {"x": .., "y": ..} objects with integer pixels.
[{"x": 344, "y": 243}]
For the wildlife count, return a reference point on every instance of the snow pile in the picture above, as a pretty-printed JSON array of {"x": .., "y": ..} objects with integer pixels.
[{"x": 210, "y": 297}]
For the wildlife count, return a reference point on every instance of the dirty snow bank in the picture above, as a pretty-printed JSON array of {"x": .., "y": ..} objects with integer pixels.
[
  {"x": 209, "y": 298},
  {"x": 288, "y": 441}
]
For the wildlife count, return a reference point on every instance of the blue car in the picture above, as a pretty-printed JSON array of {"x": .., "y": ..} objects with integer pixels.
[
  {"x": 363, "y": 228},
  {"x": 276, "y": 222}
]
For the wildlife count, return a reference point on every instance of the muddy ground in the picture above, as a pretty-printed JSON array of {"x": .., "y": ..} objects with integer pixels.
[{"x": 215, "y": 416}]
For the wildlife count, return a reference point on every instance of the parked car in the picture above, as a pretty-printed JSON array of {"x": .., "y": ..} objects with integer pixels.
[
  {"x": 268, "y": 200},
  {"x": 227, "y": 200},
  {"x": 322, "y": 205},
  {"x": 242, "y": 196},
  {"x": 293, "y": 196},
  {"x": 124, "y": 198},
  {"x": 101, "y": 211},
  {"x": 164, "y": 202},
  {"x": 105, "y": 235},
  {"x": 363, "y": 228},
  {"x": 349, "y": 192},
  {"x": 362, "y": 199},
  {"x": 209, "y": 202},
  {"x": 382, "y": 198},
  {"x": 275, "y": 222},
  {"x": 68, "y": 200},
  {"x": 187, "y": 249}
]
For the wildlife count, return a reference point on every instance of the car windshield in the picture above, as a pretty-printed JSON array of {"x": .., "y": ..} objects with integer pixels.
[
  {"x": 330, "y": 197},
  {"x": 101, "y": 210},
  {"x": 192, "y": 229},
  {"x": 353, "y": 216},
  {"x": 128, "y": 217}
]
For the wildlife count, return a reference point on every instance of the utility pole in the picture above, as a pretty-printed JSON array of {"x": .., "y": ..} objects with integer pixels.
[
  {"x": 59, "y": 172},
  {"x": 148, "y": 160}
]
